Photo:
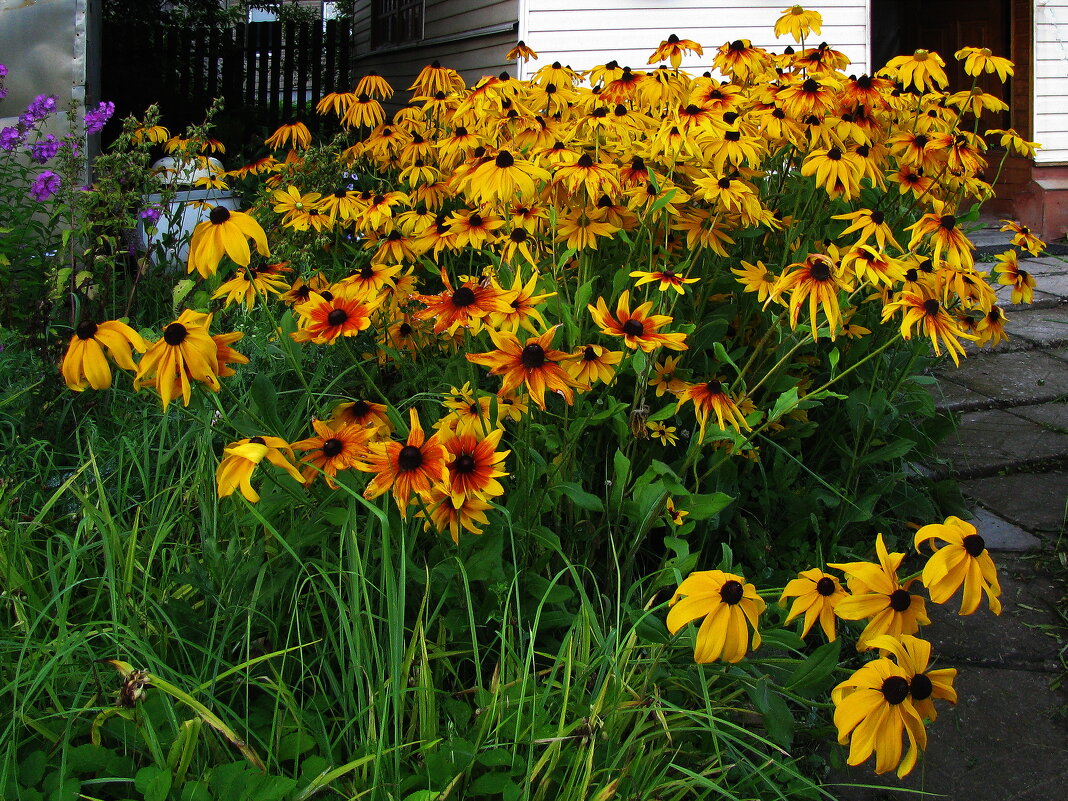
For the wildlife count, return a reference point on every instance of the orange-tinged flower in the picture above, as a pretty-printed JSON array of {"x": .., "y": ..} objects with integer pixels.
[
  {"x": 333, "y": 448},
  {"x": 413, "y": 466},
  {"x": 521, "y": 51},
  {"x": 638, "y": 328},
  {"x": 667, "y": 277},
  {"x": 711, "y": 396},
  {"x": 933, "y": 321},
  {"x": 593, "y": 363},
  {"x": 445, "y": 517},
  {"x": 364, "y": 414},
  {"x": 324, "y": 320},
  {"x": 294, "y": 134},
  {"x": 798, "y": 22},
  {"x": 467, "y": 306},
  {"x": 533, "y": 363},
  {"x": 672, "y": 49},
  {"x": 818, "y": 280},
  {"x": 474, "y": 465},
  {"x": 1024, "y": 237}
]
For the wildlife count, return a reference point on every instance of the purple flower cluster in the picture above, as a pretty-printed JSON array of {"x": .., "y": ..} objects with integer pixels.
[
  {"x": 45, "y": 150},
  {"x": 39, "y": 108},
  {"x": 96, "y": 119},
  {"x": 3, "y": 74},
  {"x": 10, "y": 138},
  {"x": 44, "y": 186},
  {"x": 150, "y": 215}
]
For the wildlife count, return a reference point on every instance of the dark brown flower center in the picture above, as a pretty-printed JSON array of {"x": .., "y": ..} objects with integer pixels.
[
  {"x": 810, "y": 86},
  {"x": 337, "y": 317},
  {"x": 820, "y": 271},
  {"x": 504, "y": 159},
  {"x": 877, "y": 217},
  {"x": 948, "y": 222},
  {"x": 533, "y": 356},
  {"x": 732, "y": 136},
  {"x": 731, "y": 592},
  {"x": 974, "y": 545},
  {"x": 518, "y": 235},
  {"x": 174, "y": 334},
  {"x": 463, "y": 296},
  {"x": 219, "y": 215},
  {"x": 900, "y": 600},
  {"x": 931, "y": 307},
  {"x": 409, "y": 458},
  {"x": 585, "y": 161},
  {"x": 464, "y": 463},
  {"x": 835, "y": 154},
  {"x": 895, "y": 689},
  {"x": 921, "y": 687},
  {"x": 359, "y": 408},
  {"x": 589, "y": 354},
  {"x": 633, "y": 328},
  {"x": 825, "y": 586},
  {"x": 86, "y": 330},
  {"x": 332, "y": 447},
  {"x": 714, "y": 387}
]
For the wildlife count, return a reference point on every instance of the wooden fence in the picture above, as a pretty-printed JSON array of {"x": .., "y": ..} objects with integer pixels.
[{"x": 271, "y": 69}]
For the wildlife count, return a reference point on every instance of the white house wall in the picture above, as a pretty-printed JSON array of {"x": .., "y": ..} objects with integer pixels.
[
  {"x": 1051, "y": 81},
  {"x": 586, "y": 33}
]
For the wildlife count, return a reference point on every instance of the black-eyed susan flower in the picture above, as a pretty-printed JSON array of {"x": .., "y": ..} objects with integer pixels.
[
  {"x": 710, "y": 397},
  {"x": 507, "y": 176},
  {"x": 185, "y": 352},
  {"x": 323, "y": 319},
  {"x": 1023, "y": 237},
  {"x": 241, "y": 458},
  {"x": 662, "y": 433},
  {"x": 872, "y": 711},
  {"x": 742, "y": 61},
  {"x": 932, "y": 320},
  {"x": 729, "y": 606},
  {"x": 962, "y": 560},
  {"x": 756, "y": 278},
  {"x": 338, "y": 102},
  {"x": 944, "y": 237},
  {"x": 579, "y": 230},
  {"x": 815, "y": 595},
  {"x": 837, "y": 171},
  {"x": 374, "y": 85},
  {"x": 334, "y": 447},
  {"x": 868, "y": 224},
  {"x": 364, "y": 112},
  {"x": 593, "y": 363},
  {"x": 251, "y": 282},
  {"x": 979, "y": 60},
  {"x": 371, "y": 280},
  {"x": 473, "y": 465},
  {"x": 990, "y": 328},
  {"x": 523, "y": 299},
  {"x": 913, "y": 656},
  {"x": 668, "y": 279},
  {"x": 924, "y": 69},
  {"x": 675, "y": 515},
  {"x": 818, "y": 280},
  {"x": 1010, "y": 140},
  {"x": 878, "y": 597},
  {"x": 466, "y": 306},
  {"x": 639, "y": 328},
  {"x": 404, "y": 468},
  {"x": 300, "y": 291},
  {"x": 85, "y": 364},
  {"x": 469, "y": 516},
  {"x": 664, "y": 377},
  {"x": 534, "y": 364},
  {"x": 365, "y": 414},
  {"x": 227, "y": 233},
  {"x": 521, "y": 50},
  {"x": 672, "y": 49},
  {"x": 872, "y": 266},
  {"x": 294, "y": 134},
  {"x": 798, "y": 22}
]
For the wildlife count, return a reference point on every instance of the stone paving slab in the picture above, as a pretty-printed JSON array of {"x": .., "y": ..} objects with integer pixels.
[
  {"x": 1045, "y": 328},
  {"x": 1013, "y": 378},
  {"x": 953, "y": 397},
  {"x": 1042, "y": 300},
  {"x": 1051, "y": 416},
  {"x": 991, "y": 440},
  {"x": 1056, "y": 285},
  {"x": 1002, "y": 535},
  {"x": 1035, "y": 501},
  {"x": 1045, "y": 265}
]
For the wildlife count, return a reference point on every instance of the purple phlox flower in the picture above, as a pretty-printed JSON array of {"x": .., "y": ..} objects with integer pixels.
[
  {"x": 150, "y": 214},
  {"x": 44, "y": 186},
  {"x": 10, "y": 138},
  {"x": 45, "y": 150},
  {"x": 39, "y": 108},
  {"x": 3, "y": 71},
  {"x": 96, "y": 119}
]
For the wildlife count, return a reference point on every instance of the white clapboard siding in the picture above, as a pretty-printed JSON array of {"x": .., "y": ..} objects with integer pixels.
[
  {"x": 1051, "y": 81},
  {"x": 585, "y": 33}
]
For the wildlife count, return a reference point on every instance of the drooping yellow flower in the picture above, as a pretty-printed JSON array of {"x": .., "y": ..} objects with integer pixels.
[
  {"x": 294, "y": 134},
  {"x": 227, "y": 233},
  {"x": 815, "y": 595},
  {"x": 978, "y": 60},
  {"x": 798, "y": 22},
  {"x": 913, "y": 655},
  {"x": 962, "y": 561},
  {"x": 671, "y": 50},
  {"x": 185, "y": 351},
  {"x": 85, "y": 365},
  {"x": 933, "y": 321},
  {"x": 817, "y": 279},
  {"x": 241, "y": 458},
  {"x": 924, "y": 69},
  {"x": 729, "y": 606}
]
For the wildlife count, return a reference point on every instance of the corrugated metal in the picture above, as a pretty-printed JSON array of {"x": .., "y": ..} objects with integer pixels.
[
  {"x": 585, "y": 33},
  {"x": 1051, "y": 82}
]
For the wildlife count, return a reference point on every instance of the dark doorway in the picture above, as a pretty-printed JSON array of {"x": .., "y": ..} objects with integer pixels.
[{"x": 899, "y": 27}]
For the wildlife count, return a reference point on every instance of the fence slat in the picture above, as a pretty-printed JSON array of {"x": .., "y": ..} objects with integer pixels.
[
  {"x": 302, "y": 67},
  {"x": 315, "y": 48},
  {"x": 286, "y": 67},
  {"x": 275, "y": 56}
]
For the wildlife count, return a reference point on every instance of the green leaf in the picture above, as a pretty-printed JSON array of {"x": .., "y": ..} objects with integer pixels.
[
  {"x": 887, "y": 453},
  {"x": 722, "y": 355},
  {"x": 32, "y": 769},
  {"x": 496, "y": 783},
  {"x": 786, "y": 402},
  {"x": 702, "y": 507},
  {"x": 640, "y": 361},
  {"x": 423, "y": 795},
  {"x": 778, "y": 720},
  {"x": 816, "y": 668},
  {"x": 265, "y": 399},
  {"x": 294, "y": 744},
  {"x": 660, "y": 202},
  {"x": 782, "y": 639},
  {"x": 581, "y": 498},
  {"x": 153, "y": 782},
  {"x": 661, "y": 414}
]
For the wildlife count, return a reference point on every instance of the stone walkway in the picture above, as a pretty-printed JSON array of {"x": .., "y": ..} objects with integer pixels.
[{"x": 1007, "y": 738}]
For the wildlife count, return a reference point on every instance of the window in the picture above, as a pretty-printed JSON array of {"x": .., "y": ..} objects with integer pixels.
[{"x": 396, "y": 22}]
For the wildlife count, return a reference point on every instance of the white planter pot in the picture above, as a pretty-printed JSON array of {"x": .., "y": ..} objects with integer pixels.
[{"x": 179, "y": 217}]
